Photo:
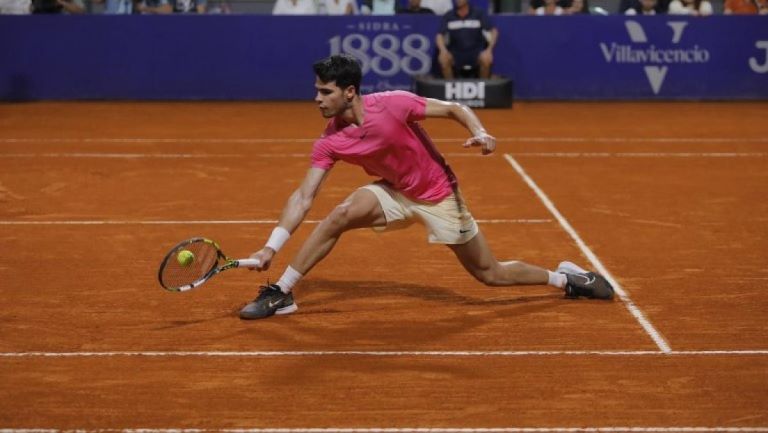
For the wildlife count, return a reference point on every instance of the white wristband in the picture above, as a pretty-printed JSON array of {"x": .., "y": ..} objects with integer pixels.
[{"x": 278, "y": 238}]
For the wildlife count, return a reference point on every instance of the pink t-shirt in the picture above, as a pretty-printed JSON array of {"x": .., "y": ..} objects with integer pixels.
[{"x": 390, "y": 144}]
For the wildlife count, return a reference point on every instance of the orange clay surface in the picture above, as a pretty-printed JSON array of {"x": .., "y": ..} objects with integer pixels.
[{"x": 671, "y": 197}]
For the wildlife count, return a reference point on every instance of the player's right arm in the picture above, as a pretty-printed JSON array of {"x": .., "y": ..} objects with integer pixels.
[{"x": 295, "y": 210}]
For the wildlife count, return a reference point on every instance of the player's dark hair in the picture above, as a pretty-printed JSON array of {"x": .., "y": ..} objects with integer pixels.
[{"x": 341, "y": 68}]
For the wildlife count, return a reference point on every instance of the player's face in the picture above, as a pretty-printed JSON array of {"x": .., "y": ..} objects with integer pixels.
[{"x": 330, "y": 98}]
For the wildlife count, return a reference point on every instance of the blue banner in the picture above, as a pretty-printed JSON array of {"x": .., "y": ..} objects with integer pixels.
[{"x": 269, "y": 58}]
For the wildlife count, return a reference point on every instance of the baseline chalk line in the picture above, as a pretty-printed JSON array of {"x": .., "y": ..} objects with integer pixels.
[{"x": 593, "y": 259}]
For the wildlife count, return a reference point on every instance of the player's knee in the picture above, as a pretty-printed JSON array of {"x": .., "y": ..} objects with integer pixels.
[
  {"x": 487, "y": 276},
  {"x": 338, "y": 220}
]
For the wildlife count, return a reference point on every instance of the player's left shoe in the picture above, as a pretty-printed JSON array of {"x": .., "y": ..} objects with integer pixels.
[
  {"x": 271, "y": 301},
  {"x": 581, "y": 282}
]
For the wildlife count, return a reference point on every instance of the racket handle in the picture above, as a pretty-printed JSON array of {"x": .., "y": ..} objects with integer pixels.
[{"x": 248, "y": 263}]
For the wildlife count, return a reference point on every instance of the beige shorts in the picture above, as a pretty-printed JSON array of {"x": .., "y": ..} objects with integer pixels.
[{"x": 447, "y": 222}]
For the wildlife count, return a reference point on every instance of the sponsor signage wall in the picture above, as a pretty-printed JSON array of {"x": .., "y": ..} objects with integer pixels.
[{"x": 265, "y": 57}]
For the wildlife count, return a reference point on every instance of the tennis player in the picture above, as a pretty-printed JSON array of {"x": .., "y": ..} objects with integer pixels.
[{"x": 380, "y": 132}]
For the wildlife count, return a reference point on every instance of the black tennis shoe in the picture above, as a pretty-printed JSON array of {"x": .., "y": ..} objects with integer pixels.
[
  {"x": 581, "y": 282},
  {"x": 271, "y": 301},
  {"x": 589, "y": 285}
]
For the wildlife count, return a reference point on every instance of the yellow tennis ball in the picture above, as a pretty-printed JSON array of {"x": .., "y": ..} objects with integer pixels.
[{"x": 185, "y": 257}]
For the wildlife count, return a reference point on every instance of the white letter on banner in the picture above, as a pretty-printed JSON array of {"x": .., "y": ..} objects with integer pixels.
[
  {"x": 469, "y": 91},
  {"x": 452, "y": 91},
  {"x": 677, "y": 30},
  {"x": 760, "y": 69}
]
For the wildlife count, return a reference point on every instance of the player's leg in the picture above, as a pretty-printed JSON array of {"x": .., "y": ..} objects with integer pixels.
[
  {"x": 360, "y": 209},
  {"x": 478, "y": 260}
]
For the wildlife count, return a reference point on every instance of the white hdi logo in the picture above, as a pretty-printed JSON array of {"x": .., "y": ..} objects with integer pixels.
[{"x": 464, "y": 90}]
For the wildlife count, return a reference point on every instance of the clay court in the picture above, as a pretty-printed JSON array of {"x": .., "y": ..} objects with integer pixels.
[{"x": 669, "y": 199}]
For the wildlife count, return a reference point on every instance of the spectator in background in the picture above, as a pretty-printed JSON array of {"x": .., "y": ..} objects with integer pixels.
[
  {"x": 690, "y": 7},
  {"x": 535, "y": 4},
  {"x": 189, "y": 6},
  {"x": 576, "y": 7},
  {"x": 154, "y": 7},
  {"x": 466, "y": 40},
  {"x": 15, "y": 7},
  {"x": 645, "y": 7},
  {"x": 339, "y": 7},
  {"x": 745, "y": 7},
  {"x": 661, "y": 6},
  {"x": 58, "y": 7},
  {"x": 414, "y": 7},
  {"x": 294, "y": 7},
  {"x": 117, "y": 7},
  {"x": 550, "y": 7},
  {"x": 439, "y": 7}
]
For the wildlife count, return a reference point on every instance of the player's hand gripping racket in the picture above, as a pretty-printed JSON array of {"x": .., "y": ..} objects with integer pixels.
[{"x": 193, "y": 262}]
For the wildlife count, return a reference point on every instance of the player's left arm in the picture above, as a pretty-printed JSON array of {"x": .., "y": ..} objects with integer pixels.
[{"x": 467, "y": 118}]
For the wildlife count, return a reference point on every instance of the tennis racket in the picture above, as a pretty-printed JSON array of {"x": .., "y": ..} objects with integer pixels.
[{"x": 193, "y": 262}]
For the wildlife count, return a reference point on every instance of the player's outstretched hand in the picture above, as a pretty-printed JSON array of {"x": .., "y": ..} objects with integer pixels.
[
  {"x": 264, "y": 256},
  {"x": 486, "y": 142}
]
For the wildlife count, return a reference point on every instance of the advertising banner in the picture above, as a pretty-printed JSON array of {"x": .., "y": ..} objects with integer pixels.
[{"x": 256, "y": 57}]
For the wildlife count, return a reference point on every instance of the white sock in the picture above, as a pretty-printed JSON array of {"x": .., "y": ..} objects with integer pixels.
[
  {"x": 289, "y": 279},
  {"x": 557, "y": 279}
]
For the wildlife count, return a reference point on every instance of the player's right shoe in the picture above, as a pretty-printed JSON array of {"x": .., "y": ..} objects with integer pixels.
[
  {"x": 581, "y": 282},
  {"x": 271, "y": 301}
]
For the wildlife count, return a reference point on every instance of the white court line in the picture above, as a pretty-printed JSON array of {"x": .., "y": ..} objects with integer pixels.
[
  {"x": 217, "y": 222},
  {"x": 190, "y": 155},
  {"x": 598, "y": 265},
  {"x": 444, "y": 140},
  {"x": 449, "y": 154},
  {"x": 644, "y": 154},
  {"x": 384, "y": 354},
  {"x": 401, "y": 430}
]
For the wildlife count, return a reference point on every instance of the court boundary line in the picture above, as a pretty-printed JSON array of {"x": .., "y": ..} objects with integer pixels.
[
  {"x": 655, "y": 335},
  {"x": 618, "y": 429},
  {"x": 562, "y": 139},
  {"x": 133, "y": 155},
  {"x": 385, "y": 354},
  {"x": 221, "y": 222},
  {"x": 104, "y": 155}
]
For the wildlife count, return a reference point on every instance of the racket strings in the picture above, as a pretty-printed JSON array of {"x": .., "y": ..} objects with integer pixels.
[{"x": 177, "y": 274}]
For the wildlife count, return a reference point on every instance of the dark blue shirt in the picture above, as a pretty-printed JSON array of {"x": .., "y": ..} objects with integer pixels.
[{"x": 466, "y": 34}]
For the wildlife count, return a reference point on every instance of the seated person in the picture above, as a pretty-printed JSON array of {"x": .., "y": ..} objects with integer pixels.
[
  {"x": 576, "y": 7},
  {"x": 377, "y": 7},
  {"x": 550, "y": 7},
  {"x": 116, "y": 7},
  {"x": 745, "y": 7},
  {"x": 58, "y": 7},
  {"x": 625, "y": 5},
  {"x": 414, "y": 7},
  {"x": 340, "y": 7},
  {"x": 294, "y": 7},
  {"x": 189, "y": 6},
  {"x": 154, "y": 7},
  {"x": 690, "y": 7},
  {"x": 466, "y": 39},
  {"x": 534, "y": 5},
  {"x": 439, "y": 7},
  {"x": 645, "y": 7}
]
